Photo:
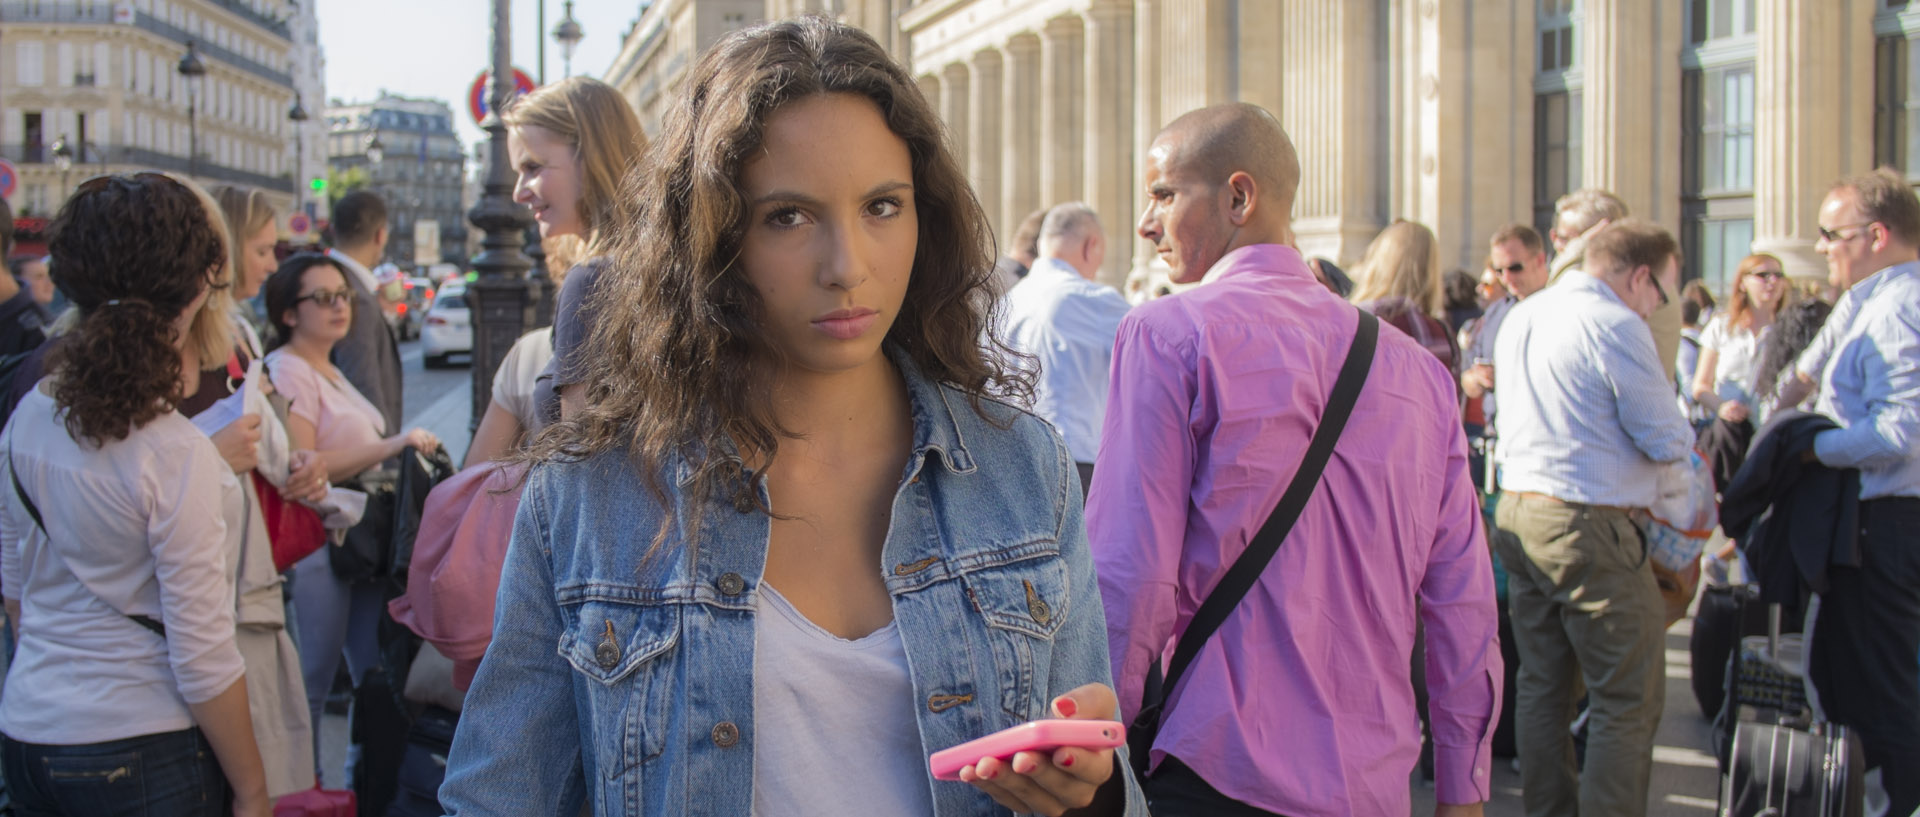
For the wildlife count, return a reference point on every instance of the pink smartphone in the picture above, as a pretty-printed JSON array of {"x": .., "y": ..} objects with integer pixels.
[{"x": 1033, "y": 736}]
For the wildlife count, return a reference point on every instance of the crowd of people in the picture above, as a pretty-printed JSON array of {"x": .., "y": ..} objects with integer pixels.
[{"x": 811, "y": 484}]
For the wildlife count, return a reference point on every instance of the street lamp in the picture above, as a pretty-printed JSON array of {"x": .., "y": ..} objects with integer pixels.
[
  {"x": 500, "y": 299},
  {"x": 375, "y": 150},
  {"x": 191, "y": 68},
  {"x": 298, "y": 116},
  {"x": 568, "y": 35},
  {"x": 63, "y": 159}
]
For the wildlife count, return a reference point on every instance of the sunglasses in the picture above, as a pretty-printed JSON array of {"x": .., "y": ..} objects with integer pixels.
[
  {"x": 1768, "y": 275},
  {"x": 1838, "y": 234},
  {"x": 102, "y": 182},
  {"x": 326, "y": 298},
  {"x": 1514, "y": 268}
]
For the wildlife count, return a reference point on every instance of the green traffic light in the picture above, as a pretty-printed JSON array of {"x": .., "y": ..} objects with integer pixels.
[{"x": 318, "y": 184}]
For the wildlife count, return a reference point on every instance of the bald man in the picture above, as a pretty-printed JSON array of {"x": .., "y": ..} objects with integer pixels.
[{"x": 1300, "y": 703}]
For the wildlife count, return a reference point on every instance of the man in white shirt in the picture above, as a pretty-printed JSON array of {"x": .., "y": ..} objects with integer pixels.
[
  {"x": 1066, "y": 323},
  {"x": 368, "y": 356},
  {"x": 1587, "y": 419},
  {"x": 1866, "y": 635}
]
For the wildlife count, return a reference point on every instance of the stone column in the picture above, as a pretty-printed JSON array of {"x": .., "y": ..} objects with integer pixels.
[
  {"x": 1812, "y": 119},
  {"x": 1062, "y": 127},
  {"x": 1632, "y": 104},
  {"x": 1020, "y": 156},
  {"x": 954, "y": 101},
  {"x": 1333, "y": 105},
  {"x": 983, "y": 140},
  {"x": 1110, "y": 177},
  {"x": 1464, "y": 160},
  {"x": 1149, "y": 116}
]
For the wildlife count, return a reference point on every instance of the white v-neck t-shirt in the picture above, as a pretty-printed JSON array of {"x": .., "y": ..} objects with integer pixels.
[{"x": 823, "y": 705}]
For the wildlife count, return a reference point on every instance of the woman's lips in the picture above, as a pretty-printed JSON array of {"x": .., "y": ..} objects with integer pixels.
[{"x": 846, "y": 324}]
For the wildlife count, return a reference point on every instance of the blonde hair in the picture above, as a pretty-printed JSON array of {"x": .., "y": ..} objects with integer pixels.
[
  {"x": 245, "y": 211},
  {"x": 563, "y": 251},
  {"x": 606, "y": 138},
  {"x": 1403, "y": 261},
  {"x": 212, "y": 333},
  {"x": 1739, "y": 306}
]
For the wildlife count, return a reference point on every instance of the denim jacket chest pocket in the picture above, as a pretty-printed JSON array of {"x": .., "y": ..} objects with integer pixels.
[
  {"x": 1023, "y": 604},
  {"x": 618, "y": 651}
]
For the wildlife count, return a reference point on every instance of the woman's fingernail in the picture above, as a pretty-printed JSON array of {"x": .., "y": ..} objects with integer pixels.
[
  {"x": 1065, "y": 761},
  {"x": 1065, "y": 706}
]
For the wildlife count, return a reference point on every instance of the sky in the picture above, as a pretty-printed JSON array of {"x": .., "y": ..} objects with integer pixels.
[{"x": 435, "y": 48}]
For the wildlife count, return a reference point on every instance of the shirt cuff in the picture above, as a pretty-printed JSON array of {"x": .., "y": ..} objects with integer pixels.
[
  {"x": 1463, "y": 775},
  {"x": 1825, "y": 444}
]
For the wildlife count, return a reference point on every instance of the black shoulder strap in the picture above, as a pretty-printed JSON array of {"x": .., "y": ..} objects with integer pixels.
[
  {"x": 1253, "y": 561},
  {"x": 34, "y": 511}
]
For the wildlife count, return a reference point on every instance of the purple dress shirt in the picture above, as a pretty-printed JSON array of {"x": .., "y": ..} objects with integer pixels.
[{"x": 1302, "y": 702}]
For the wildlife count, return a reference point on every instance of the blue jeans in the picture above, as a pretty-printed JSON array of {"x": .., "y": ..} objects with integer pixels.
[
  {"x": 172, "y": 773},
  {"x": 332, "y": 619}
]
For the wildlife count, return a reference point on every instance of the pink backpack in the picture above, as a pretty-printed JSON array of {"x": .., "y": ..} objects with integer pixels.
[{"x": 456, "y": 565}]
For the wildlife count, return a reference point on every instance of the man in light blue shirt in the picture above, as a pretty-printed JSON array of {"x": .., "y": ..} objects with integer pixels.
[
  {"x": 1066, "y": 323},
  {"x": 1587, "y": 421},
  {"x": 1867, "y": 632}
]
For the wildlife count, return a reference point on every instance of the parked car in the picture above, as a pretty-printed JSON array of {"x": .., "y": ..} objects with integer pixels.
[{"x": 448, "y": 329}]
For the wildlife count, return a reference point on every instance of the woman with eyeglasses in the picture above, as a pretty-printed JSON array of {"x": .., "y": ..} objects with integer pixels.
[
  {"x": 1723, "y": 380},
  {"x": 311, "y": 305},
  {"x": 128, "y": 693}
]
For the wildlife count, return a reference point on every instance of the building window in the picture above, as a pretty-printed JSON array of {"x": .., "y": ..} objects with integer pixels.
[
  {"x": 1716, "y": 151},
  {"x": 1896, "y": 88},
  {"x": 1558, "y": 121}
]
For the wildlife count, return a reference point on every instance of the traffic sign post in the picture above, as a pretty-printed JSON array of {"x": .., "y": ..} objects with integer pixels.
[{"x": 477, "y": 95}]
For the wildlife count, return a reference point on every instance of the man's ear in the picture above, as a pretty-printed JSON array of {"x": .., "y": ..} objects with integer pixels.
[{"x": 1243, "y": 195}]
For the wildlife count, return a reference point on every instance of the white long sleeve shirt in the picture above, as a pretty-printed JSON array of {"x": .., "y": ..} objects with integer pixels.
[
  {"x": 1067, "y": 324},
  {"x": 139, "y": 526}
]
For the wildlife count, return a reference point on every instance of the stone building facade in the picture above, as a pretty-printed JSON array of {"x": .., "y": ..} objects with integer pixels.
[
  {"x": 104, "y": 76},
  {"x": 1723, "y": 120},
  {"x": 421, "y": 170}
]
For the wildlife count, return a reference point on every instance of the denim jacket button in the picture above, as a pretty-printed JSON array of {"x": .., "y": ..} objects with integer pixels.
[
  {"x": 743, "y": 503},
  {"x": 725, "y": 734},
  {"x": 731, "y": 584},
  {"x": 607, "y": 654}
]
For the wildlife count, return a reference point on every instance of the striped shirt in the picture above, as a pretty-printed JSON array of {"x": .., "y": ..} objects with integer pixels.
[{"x": 1587, "y": 411}]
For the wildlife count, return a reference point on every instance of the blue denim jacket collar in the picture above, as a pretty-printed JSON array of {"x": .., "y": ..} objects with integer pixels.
[{"x": 935, "y": 428}]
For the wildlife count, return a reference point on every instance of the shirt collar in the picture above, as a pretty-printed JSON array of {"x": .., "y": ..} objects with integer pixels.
[
  {"x": 1582, "y": 280},
  {"x": 354, "y": 268},
  {"x": 1872, "y": 283},
  {"x": 935, "y": 427},
  {"x": 1053, "y": 267},
  {"x": 1258, "y": 257}
]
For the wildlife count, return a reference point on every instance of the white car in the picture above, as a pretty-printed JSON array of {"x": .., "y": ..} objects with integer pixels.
[{"x": 448, "y": 329}]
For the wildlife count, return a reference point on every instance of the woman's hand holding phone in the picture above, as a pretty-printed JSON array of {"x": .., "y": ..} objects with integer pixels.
[{"x": 1057, "y": 781}]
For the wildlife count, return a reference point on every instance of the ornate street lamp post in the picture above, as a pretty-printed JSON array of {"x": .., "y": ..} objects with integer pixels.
[
  {"x": 568, "y": 35},
  {"x": 501, "y": 300},
  {"x": 191, "y": 68},
  {"x": 63, "y": 159},
  {"x": 298, "y": 116}
]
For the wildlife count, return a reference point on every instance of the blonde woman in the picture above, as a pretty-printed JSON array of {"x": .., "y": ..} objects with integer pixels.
[
  {"x": 1398, "y": 280},
  {"x": 1729, "y": 346},
  {"x": 572, "y": 143}
]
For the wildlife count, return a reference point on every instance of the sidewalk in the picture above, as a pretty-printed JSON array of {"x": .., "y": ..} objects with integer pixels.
[{"x": 447, "y": 418}]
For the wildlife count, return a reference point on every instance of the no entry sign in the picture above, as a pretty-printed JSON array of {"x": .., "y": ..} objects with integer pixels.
[{"x": 477, "y": 95}]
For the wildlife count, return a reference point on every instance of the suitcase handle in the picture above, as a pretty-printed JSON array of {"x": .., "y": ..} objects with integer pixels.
[{"x": 1773, "y": 630}]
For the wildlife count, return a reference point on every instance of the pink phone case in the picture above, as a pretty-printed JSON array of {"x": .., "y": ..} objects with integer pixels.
[{"x": 1034, "y": 736}]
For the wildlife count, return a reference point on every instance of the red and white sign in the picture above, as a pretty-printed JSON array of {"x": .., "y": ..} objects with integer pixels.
[
  {"x": 9, "y": 179},
  {"x": 298, "y": 223},
  {"x": 482, "y": 86}
]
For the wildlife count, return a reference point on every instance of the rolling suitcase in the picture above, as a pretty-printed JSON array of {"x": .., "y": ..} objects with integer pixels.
[
  {"x": 1728, "y": 614},
  {"x": 1783, "y": 762}
]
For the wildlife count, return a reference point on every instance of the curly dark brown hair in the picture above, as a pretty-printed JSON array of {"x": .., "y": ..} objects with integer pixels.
[
  {"x": 678, "y": 365},
  {"x": 131, "y": 253}
]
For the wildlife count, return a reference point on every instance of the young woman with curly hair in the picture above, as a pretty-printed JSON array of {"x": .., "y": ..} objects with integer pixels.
[
  {"x": 118, "y": 520},
  {"x": 793, "y": 544}
]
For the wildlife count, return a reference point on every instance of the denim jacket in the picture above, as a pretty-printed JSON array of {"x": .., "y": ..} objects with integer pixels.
[{"x": 628, "y": 682}]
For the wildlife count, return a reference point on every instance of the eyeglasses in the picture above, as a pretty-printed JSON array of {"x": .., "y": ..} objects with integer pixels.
[
  {"x": 326, "y": 298},
  {"x": 1768, "y": 275},
  {"x": 1835, "y": 235},
  {"x": 1514, "y": 268}
]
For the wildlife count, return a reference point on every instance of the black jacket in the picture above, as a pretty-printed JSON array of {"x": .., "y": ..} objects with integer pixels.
[{"x": 1792, "y": 518}]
